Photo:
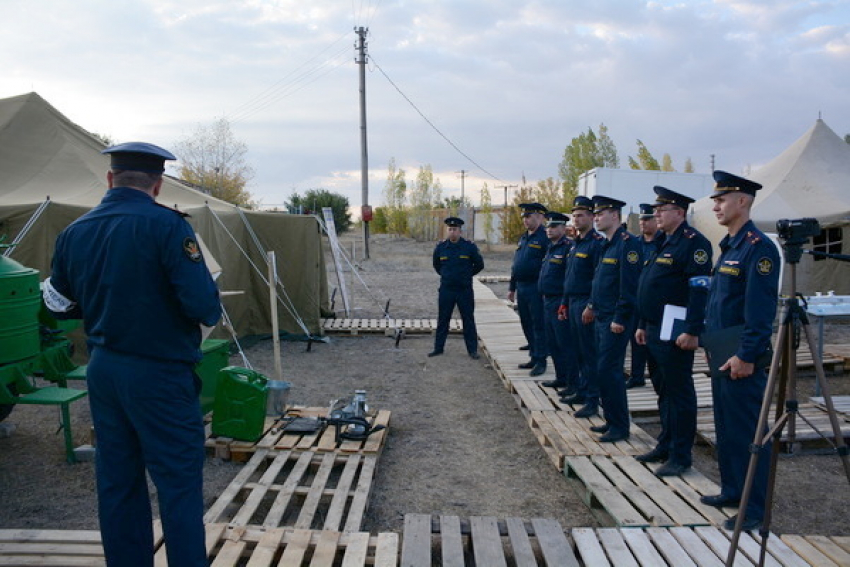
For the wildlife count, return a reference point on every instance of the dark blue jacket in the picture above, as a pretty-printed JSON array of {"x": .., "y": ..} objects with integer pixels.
[
  {"x": 551, "y": 281},
  {"x": 616, "y": 278},
  {"x": 457, "y": 262},
  {"x": 744, "y": 289},
  {"x": 666, "y": 275},
  {"x": 140, "y": 283},
  {"x": 528, "y": 257},
  {"x": 581, "y": 265}
]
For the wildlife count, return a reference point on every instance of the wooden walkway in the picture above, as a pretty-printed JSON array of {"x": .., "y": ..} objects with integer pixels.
[
  {"x": 386, "y": 326},
  {"x": 454, "y": 542}
]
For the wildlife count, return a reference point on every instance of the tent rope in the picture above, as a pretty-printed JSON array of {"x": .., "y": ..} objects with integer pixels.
[
  {"x": 278, "y": 282},
  {"x": 24, "y": 231},
  {"x": 259, "y": 272},
  {"x": 228, "y": 324}
]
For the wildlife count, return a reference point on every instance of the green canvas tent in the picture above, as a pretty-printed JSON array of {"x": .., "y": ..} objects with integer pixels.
[{"x": 52, "y": 171}]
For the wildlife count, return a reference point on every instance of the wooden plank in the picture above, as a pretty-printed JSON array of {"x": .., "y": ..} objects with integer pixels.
[
  {"x": 603, "y": 492},
  {"x": 665, "y": 497},
  {"x": 719, "y": 544},
  {"x": 416, "y": 540},
  {"x": 360, "y": 499},
  {"x": 297, "y": 545},
  {"x": 615, "y": 547},
  {"x": 325, "y": 552},
  {"x": 451, "y": 542},
  {"x": 217, "y": 509},
  {"x": 647, "y": 507},
  {"x": 641, "y": 546},
  {"x": 672, "y": 551},
  {"x": 334, "y": 517},
  {"x": 830, "y": 549},
  {"x": 553, "y": 543},
  {"x": 810, "y": 553},
  {"x": 357, "y": 550},
  {"x": 284, "y": 495},
  {"x": 696, "y": 548},
  {"x": 386, "y": 550},
  {"x": 311, "y": 503},
  {"x": 589, "y": 549},
  {"x": 523, "y": 553},
  {"x": 487, "y": 542},
  {"x": 266, "y": 548},
  {"x": 258, "y": 493}
]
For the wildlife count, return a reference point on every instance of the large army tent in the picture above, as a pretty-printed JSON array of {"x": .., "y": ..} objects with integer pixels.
[
  {"x": 811, "y": 178},
  {"x": 52, "y": 171}
]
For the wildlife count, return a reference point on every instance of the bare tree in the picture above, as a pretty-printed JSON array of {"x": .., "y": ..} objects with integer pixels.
[{"x": 213, "y": 159}]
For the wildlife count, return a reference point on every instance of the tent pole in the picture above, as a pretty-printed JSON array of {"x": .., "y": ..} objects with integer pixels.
[{"x": 273, "y": 303}]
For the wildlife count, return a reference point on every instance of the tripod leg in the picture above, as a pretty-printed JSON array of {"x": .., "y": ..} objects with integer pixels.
[
  {"x": 830, "y": 408},
  {"x": 758, "y": 440}
]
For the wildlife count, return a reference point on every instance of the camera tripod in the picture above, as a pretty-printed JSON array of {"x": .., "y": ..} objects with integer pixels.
[{"x": 784, "y": 364}]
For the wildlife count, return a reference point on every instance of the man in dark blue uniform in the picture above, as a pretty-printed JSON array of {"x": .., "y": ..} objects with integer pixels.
[
  {"x": 641, "y": 357},
  {"x": 456, "y": 260},
  {"x": 675, "y": 275},
  {"x": 581, "y": 265},
  {"x": 743, "y": 294},
  {"x": 611, "y": 308},
  {"x": 525, "y": 272},
  {"x": 133, "y": 271},
  {"x": 551, "y": 286}
]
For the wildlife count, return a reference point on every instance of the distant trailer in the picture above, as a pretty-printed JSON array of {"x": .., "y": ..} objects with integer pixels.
[{"x": 634, "y": 186}]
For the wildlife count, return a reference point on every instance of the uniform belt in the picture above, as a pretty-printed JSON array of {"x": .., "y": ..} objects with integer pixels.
[{"x": 550, "y": 296}]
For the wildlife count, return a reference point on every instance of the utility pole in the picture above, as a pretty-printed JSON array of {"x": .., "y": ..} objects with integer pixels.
[
  {"x": 364, "y": 151},
  {"x": 463, "y": 173},
  {"x": 505, "y": 187},
  {"x": 712, "y": 163}
]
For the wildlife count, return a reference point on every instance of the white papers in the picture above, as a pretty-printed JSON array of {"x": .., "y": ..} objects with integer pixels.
[{"x": 672, "y": 314}]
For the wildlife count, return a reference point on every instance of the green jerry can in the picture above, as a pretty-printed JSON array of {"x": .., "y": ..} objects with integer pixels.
[
  {"x": 216, "y": 354},
  {"x": 240, "y": 404}
]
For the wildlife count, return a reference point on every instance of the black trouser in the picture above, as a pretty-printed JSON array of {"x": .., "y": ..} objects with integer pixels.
[
  {"x": 530, "y": 304},
  {"x": 610, "y": 357},
  {"x": 677, "y": 399},
  {"x": 585, "y": 336},
  {"x": 465, "y": 301},
  {"x": 561, "y": 343}
]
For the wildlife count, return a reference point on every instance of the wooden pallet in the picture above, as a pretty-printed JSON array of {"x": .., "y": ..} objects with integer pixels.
[
  {"x": 230, "y": 546},
  {"x": 804, "y": 434},
  {"x": 304, "y": 490},
  {"x": 386, "y": 326},
  {"x": 484, "y": 541},
  {"x": 630, "y": 495},
  {"x": 840, "y": 403},
  {"x": 820, "y": 550},
  {"x": 65, "y": 548},
  {"x": 643, "y": 401},
  {"x": 275, "y": 438}
]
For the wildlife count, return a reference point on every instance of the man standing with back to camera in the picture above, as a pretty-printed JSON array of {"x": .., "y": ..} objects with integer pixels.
[
  {"x": 743, "y": 293},
  {"x": 133, "y": 271},
  {"x": 456, "y": 260}
]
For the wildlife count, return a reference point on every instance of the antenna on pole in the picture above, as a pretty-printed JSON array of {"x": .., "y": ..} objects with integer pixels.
[{"x": 364, "y": 152}]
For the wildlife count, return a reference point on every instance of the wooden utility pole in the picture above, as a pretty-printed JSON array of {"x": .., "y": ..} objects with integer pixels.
[
  {"x": 463, "y": 173},
  {"x": 505, "y": 187},
  {"x": 364, "y": 152}
]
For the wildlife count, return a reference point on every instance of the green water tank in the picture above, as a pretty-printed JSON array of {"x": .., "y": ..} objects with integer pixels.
[{"x": 20, "y": 301}]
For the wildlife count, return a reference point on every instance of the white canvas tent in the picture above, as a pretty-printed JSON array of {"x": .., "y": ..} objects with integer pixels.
[
  {"x": 52, "y": 171},
  {"x": 811, "y": 178}
]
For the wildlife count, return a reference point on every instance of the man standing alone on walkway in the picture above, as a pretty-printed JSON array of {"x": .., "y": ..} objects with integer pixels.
[
  {"x": 525, "y": 272},
  {"x": 457, "y": 260},
  {"x": 674, "y": 275}
]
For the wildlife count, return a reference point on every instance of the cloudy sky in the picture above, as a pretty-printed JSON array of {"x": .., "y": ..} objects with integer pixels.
[{"x": 509, "y": 82}]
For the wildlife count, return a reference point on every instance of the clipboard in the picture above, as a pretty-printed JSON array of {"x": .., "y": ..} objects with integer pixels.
[
  {"x": 672, "y": 322},
  {"x": 722, "y": 345}
]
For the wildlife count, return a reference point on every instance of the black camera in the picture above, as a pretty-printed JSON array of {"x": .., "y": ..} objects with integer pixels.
[{"x": 797, "y": 231}]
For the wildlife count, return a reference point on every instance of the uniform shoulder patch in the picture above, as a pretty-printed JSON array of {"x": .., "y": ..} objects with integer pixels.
[
  {"x": 191, "y": 248},
  {"x": 764, "y": 265},
  {"x": 597, "y": 236},
  {"x": 689, "y": 232},
  {"x": 700, "y": 256},
  {"x": 752, "y": 237},
  {"x": 632, "y": 257},
  {"x": 625, "y": 235}
]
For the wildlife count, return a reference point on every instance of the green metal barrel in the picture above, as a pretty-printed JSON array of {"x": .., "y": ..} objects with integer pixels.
[{"x": 20, "y": 301}]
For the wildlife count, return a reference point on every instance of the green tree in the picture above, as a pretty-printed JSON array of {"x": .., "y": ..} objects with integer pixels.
[
  {"x": 586, "y": 151},
  {"x": 379, "y": 221},
  {"x": 512, "y": 227},
  {"x": 314, "y": 200},
  {"x": 454, "y": 204},
  {"x": 487, "y": 213},
  {"x": 644, "y": 160},
  {"x": 424, "y": 194},
  {"x": 105, "y": 139},
  {"x": 553, "y": 195},
  {"x": 689, "y": 166},
  {"x": 667, "y": 163},
  {"x": 395, "y": 199},
  {"x": 213, "y": 159}
]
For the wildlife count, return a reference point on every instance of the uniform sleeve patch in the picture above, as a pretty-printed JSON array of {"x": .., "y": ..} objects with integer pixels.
[
  {"x": 700, "y": 256},
  {"x": 632, "y": 257},
  {"x": 764, "y": 266},
  {"x": 191, "y": 248}
]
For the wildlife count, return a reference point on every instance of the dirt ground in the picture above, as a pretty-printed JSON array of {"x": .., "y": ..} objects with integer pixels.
[{"x": 457, "y": 443}]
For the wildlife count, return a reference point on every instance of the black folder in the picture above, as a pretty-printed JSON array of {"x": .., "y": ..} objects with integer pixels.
[{"x": 722, "y": 345}]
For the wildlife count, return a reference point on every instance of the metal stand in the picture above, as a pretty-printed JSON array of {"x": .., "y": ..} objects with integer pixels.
[{"x": 784, "y": 364}]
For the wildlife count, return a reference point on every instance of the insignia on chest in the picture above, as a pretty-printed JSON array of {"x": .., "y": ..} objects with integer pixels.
[
  {"x": 533, "y": 245},
  {"x": 610, "y": 261},
  {"x": 444, "y": 257},
  {"x": 463, "y": 256},
  {"x": 730, "y": 270},
  {"x": 632, "y": 257},
  {"x": 580, "y": 255},
  {"x": 665, "y": 261}
]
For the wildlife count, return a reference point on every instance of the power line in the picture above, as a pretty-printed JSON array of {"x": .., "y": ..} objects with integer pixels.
[{"x": 431, "y": 124}]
